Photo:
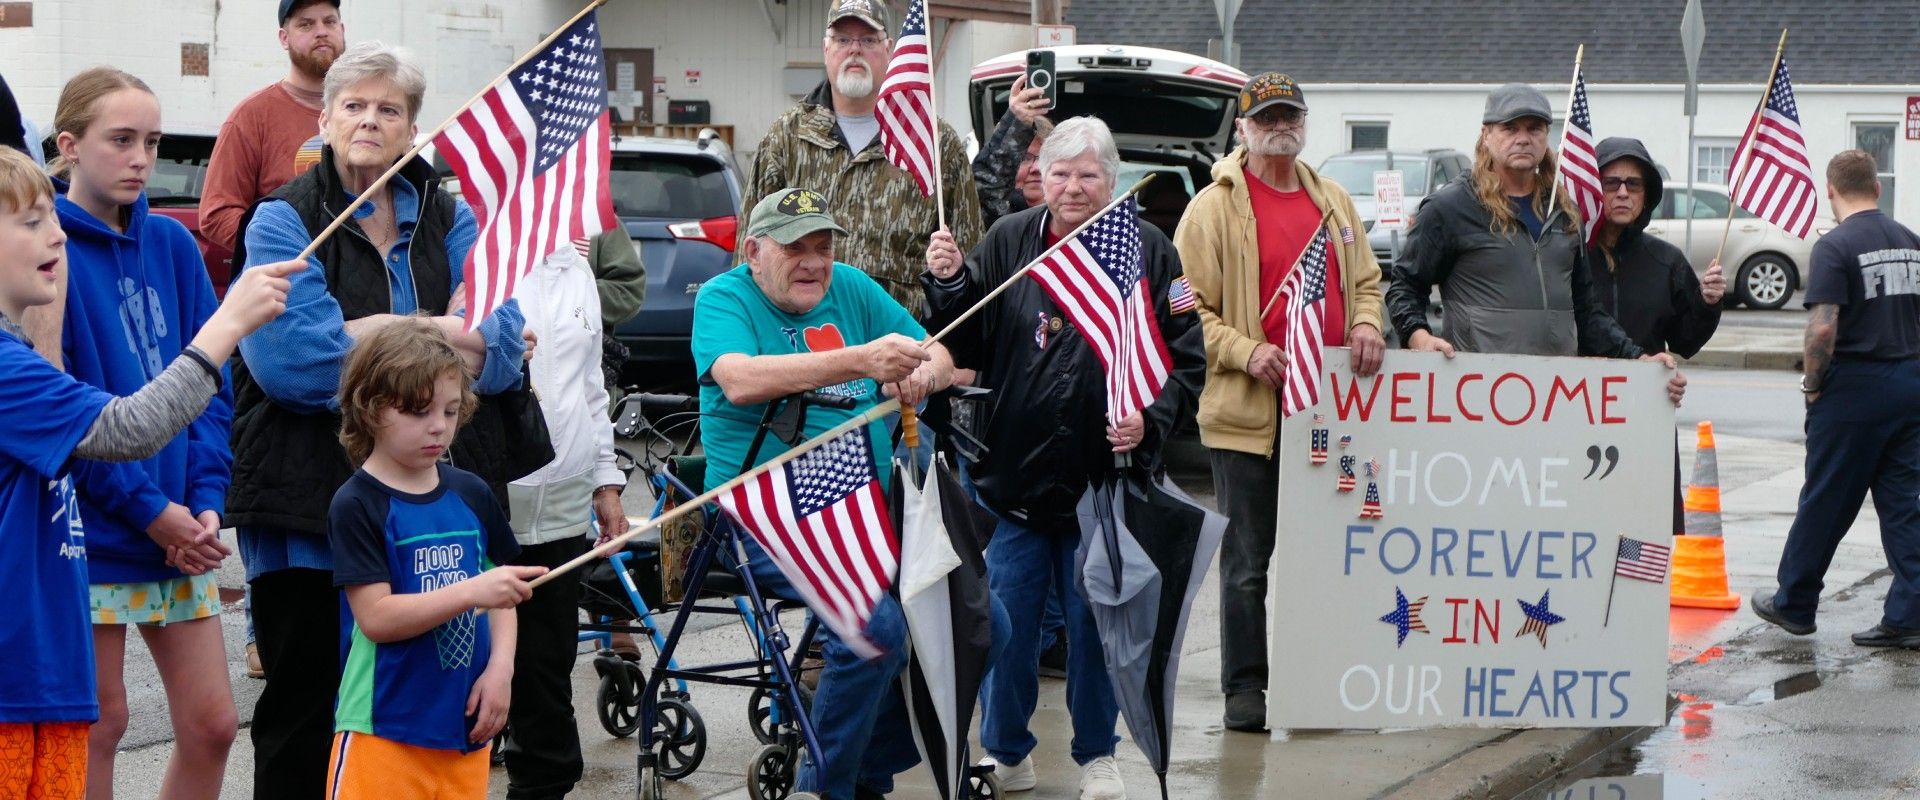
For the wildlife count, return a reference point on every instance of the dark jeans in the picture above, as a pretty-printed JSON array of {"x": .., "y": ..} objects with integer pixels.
[
  {"x": 1247, "y": 489},
  {"x": 296, "y": 619},
  {"x": 543, "y": 749},
  {"x": 1863, "y": 434}
]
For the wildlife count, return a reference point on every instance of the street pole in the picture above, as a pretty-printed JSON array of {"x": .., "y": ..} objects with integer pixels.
[
  {"x": 1227, "y": 10},
  {"x": 1693, "y": 36}
]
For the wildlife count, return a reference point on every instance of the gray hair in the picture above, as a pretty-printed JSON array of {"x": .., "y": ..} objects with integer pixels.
[
  {"x": 368, "y": 60},
  {"x": 1077, "y": 137}
]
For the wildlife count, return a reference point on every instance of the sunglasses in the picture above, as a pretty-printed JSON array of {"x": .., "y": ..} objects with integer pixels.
[{"x": 1635, "y": 185}]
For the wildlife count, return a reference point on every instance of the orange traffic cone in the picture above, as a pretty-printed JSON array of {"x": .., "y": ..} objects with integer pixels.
[{"x": 1700, "y": 556}]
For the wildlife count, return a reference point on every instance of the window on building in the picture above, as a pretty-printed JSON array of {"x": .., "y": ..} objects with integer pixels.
[
  {"x": 1366, "y": 136},
  {"x": 1877, "y": 139},
  {"x": 1711, "y": 158}
]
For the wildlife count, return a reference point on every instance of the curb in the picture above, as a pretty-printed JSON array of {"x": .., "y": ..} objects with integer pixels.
[
  {"x": 1507, "y": 766},
  {"x": 1776, "y": 358}
]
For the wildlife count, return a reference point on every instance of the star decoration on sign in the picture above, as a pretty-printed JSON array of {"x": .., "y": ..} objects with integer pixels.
[
  {"x": 1405, "y": 616},
  {"x": 1538, "y": 618}
]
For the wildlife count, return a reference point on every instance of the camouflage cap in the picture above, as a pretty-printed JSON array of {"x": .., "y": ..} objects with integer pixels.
[
  {"x": 789, "y": 214},
  {"x": 1269, "y": 88},
  {"x": 871, "y": 12}
]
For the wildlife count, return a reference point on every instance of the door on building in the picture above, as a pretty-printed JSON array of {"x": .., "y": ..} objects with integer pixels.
[{"x": 630, "y": 84}]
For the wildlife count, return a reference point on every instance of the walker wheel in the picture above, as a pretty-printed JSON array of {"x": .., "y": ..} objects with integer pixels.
[
  {"x": 770, "y": 774},
  {"x": 619, "y": 714},
  {"x": 680, "y": 736}
]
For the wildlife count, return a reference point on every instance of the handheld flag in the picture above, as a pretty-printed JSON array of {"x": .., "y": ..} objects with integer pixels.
[
  {"x": 823, "y": 520},
  {"x": 1579, "y": 167},
  {"x": 1097, "y": 280},
  {"x": 1306, "y": 313},
  {"x": 908, "y": 132},
  {"x": 1772, "y": 176},
  {"x": 532, "y": 157}
]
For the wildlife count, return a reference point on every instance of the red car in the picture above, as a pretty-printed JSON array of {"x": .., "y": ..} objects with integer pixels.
[{"x": 174, "y": 191}]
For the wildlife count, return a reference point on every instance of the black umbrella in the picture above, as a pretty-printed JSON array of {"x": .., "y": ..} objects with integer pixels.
[{"x": 1144, "y": 549}]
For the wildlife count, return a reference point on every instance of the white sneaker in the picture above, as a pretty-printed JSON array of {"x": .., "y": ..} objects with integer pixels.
[
  {"x": 1100, "y": 780},
  {"x": 1012, "y": 777}
]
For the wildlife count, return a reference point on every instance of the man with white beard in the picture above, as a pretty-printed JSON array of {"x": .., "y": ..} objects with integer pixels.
[
  {"x": 1235, "y": 269},
  {"x": 830, "y": 143}
]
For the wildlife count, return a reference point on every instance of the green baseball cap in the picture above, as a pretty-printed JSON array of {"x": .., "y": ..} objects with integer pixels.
[{"x": 789, "y": 214}]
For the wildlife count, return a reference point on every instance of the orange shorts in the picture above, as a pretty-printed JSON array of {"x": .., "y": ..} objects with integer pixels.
[
  {"x": 367, "y": 767},
  {"x": 43, "y": 760}
]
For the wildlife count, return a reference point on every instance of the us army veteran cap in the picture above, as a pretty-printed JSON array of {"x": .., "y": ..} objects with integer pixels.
[
  {"x": 789, "y": 214},
  {"x": 1269, "y": 88},
  {"x": 871, "y": 12}
]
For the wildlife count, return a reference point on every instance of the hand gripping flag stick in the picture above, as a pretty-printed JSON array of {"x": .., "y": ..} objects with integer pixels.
[{"x": 424, "y": 141}]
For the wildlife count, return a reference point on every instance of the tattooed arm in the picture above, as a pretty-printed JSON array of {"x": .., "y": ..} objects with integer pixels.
[{"x": 1823, "y": 326}]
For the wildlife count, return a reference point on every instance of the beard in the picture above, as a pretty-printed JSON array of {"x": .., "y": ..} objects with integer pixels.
[
  {"x": 1277, "y": 143},
  {"x": 854, "y": 86},
  {"x": 311, "y": 63}
]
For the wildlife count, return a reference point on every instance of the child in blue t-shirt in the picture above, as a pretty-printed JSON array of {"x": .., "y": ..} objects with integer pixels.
[
  {"x": 426, "y": 677},
  {"x": 47, "y": 421}
]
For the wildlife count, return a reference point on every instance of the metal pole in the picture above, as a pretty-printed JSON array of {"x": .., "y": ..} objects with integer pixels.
[{"x": 1688, "y": 249}]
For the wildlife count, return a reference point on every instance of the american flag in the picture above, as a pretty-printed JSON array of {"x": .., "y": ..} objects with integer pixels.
[
  {"x": 1306, "y": 314},
  {"x": 823, "y": 520},
  {"x": 532, "y": 159},
  {"x": 1097, "y": 281},
  {"x": 1579, "y": 168},
  {"x": 908, "y": 131},
  {"x": 1641, "y": 561},
  {"x": 1772, "y": 176}
]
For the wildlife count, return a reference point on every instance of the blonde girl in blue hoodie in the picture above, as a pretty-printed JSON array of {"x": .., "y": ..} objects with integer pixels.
[{"x": 137, "y": 293}]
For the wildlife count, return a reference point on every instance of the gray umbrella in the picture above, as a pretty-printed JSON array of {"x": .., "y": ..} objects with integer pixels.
[{"x": 1140, "y": 589}]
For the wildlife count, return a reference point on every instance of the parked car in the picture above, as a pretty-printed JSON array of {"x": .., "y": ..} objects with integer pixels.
[
  {"x": 1421, "y": 172},
  {"x": 680, "y": 201},
  {"x": 1169, "y": 111},
  {"x": 1764, "y": 264}
]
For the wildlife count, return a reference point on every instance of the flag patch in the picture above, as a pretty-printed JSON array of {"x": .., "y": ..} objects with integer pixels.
[{"x": 1180, "y": 296}]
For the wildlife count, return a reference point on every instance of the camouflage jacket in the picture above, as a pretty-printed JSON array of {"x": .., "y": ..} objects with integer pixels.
[
  {"x": 997, "y": 166},
  {"x": 887, "y": 219}
]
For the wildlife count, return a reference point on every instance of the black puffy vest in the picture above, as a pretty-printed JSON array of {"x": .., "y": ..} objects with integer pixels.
[{"x": 287, "y": 464}]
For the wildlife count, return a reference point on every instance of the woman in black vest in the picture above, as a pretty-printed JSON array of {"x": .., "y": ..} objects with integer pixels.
[{"x": 399, "y": 255}]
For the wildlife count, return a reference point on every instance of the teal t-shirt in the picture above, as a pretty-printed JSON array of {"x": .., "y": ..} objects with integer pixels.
[{"x": 732, "y": 315}]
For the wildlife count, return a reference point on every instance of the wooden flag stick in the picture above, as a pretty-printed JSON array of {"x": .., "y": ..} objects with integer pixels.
[
  {"x": 1553, "y": 197},
  {"x": 1296, "y": 265},
  {"x": 637, "y": 527},
  {"x": 1752, "y": 127},
  {"x": 428, "y": 139},
  {"x": 933, "y": 124},
  {"x": 1004, "y": 285}
]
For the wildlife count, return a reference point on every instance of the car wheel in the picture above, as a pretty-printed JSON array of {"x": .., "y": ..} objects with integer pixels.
[{"x": 1765, "y": 282}]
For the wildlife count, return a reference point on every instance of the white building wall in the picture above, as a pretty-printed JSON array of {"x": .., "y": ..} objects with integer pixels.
[{"x": 1449, "y": 116}]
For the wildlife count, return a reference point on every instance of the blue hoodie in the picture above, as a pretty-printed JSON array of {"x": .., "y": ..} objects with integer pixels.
[{"x": 114, "y": 341}]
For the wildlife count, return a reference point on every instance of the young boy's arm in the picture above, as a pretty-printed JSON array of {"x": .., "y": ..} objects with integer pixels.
[
  {"x": 387, "y": 617},
  {"x": 487, "y": 703}
]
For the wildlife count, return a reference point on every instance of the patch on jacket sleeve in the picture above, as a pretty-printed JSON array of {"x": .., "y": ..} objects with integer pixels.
[
  {"x": 1180, "y": 296},
  {"x": 1346, "y": 234}
]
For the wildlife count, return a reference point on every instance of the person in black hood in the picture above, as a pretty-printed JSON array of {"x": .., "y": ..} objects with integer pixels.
[{"x": 1645, "y": 282}]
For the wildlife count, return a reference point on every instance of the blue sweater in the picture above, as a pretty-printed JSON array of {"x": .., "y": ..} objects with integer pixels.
[{"x": 134, "y": 301}]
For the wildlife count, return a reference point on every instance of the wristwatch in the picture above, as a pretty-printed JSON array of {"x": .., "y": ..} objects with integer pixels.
[{"x": 1804, "y": 389}]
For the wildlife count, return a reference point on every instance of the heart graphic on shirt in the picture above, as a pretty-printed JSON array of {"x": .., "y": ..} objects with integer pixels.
[{"x": 824, "y": 338}]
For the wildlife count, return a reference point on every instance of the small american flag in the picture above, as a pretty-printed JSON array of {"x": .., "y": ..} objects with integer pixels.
[
  {"x": 1579, "y": 168},
  {"x": 532, "y": 159},
  {"x": 1180, "y": 296},
  {"x": 823, "y": 520},
  {"x": 1097, "y": 281},
  {"x": 1306, "y": 314},
  {"x": 908, "y": 132},
  {"x": 1641, "y": 561},
  {"x": 1772, "y": 176}
]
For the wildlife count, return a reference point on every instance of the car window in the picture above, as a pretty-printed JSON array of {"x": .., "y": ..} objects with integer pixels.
[
  {"x": 1442, "y": 173},
  {"x": 1132, "y": 106},
  {"x": 664, "y": 185},
  {"x": 1355, "y": 173},
  {"x": 1704, "y": 204},
  {"x": 179, "y": 171}
]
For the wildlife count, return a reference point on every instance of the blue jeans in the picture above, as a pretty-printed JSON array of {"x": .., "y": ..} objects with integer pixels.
[{"x": 1022, "y": 566}]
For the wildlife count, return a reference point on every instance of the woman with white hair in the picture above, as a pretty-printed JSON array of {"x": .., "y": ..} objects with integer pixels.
[
  {"x": 400, "y": 255},
  {"x": 1047, "y": 439}
]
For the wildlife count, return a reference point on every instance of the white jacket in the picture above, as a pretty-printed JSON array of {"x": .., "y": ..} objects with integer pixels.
[{"x": 562, "y": 307}]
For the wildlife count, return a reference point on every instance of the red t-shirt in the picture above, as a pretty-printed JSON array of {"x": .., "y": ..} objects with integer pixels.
[{"x": 1285, "y": 222}]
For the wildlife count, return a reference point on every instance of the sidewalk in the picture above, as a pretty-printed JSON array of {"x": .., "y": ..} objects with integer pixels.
[
  {"x": 1760, "y": 479},
  {"x": 1755, "y": 340}
]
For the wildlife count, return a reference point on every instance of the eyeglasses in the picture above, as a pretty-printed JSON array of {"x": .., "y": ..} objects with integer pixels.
[
  {"x": 865, "y": 42},
  {"x": 1272, "y": 117},
  {"x": 1635, "y": 185}
]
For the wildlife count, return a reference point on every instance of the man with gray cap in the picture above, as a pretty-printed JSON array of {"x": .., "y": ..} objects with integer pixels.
[
  {"x": 1234, "y": 268},
  {"x": 1512, "y": 272},
  {"x": 830, "y": 143},
  {"x": 792, "y": 319}
]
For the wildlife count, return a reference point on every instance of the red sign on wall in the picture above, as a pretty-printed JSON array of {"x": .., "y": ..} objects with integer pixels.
[{"x": 1913, "y": 118}]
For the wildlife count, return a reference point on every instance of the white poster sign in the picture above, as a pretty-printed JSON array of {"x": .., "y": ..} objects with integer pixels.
[
  {"x": 1053, "y": 35},
  {"x": 1390, "y": 200},
  {"x": 1475, "y": 541}
]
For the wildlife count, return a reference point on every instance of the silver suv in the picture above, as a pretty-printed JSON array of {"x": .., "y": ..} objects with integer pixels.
[{"x": 1423, "y": 170}]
